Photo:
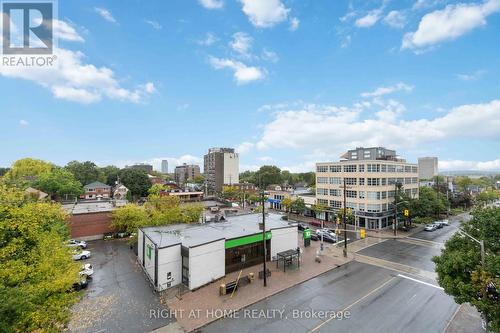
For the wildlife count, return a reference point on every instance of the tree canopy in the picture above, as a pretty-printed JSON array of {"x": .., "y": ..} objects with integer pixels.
[
  {"x": 27, "y": 170},
  {"x": 136, "y": 180},
  {"x": 85, "y": 172},
  {"x": 59, "y": 184},
  {"x": 270, "y": 174},
  {"x": 36, "y": 269},
  {"x": 459, "y": 266}
]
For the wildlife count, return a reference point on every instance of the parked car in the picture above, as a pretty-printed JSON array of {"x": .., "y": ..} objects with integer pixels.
[
  {"x": 314, "y": 237},
  {"x": 302, "y": 226},
  {"x": 331, "y": 232},
  {"x": 438, "y": 225},
  {"x": 87, "y": 270},
  {"x": 81, "y": 255},
  {"x": 81, "y": 284},
  {"x": 430, "y": 227},
  {"x": 75, "y": 243},
  {"x": 327, "y": 237},
  {"x": 443, "y": 222}
]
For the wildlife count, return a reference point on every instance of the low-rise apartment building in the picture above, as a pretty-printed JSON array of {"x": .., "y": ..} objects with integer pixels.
[{"x": 371, "y": 175}]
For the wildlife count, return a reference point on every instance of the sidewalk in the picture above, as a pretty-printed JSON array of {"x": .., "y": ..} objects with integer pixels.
[{"x": 207, "y": 305}]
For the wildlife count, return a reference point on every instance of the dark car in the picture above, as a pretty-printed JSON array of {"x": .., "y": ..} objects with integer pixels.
[
  {"x": 315, "y": 223},
  {"x": 81, "y": 284},
  {"x": 302, "y": 227}
]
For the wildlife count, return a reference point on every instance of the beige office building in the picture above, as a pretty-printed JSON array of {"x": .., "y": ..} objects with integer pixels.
[{"x": 371, "y": 176}]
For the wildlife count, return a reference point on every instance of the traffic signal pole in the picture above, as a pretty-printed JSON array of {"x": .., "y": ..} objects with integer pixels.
[{"x": 345, "y": 220}]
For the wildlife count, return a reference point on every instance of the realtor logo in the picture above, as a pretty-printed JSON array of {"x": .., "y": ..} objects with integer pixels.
[{"x": 27, "y": 27}]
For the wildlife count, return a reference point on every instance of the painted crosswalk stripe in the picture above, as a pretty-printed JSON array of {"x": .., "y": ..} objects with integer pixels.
[{"x": 419, "y": 281}]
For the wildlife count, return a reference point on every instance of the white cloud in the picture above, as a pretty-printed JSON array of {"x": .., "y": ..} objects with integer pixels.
[
  {"x": 23, "y": 123},
  {"x": 105, "y": 14},
  {"x": 209, "y": 39},
  {"x": 265, "y": 159},
  {"x": 369, "y": 19},
  {"x": 242, "y": 73},
  {"x": 244, "y": 147},
  {"x": 269, "y": 55},
  {"x": 380, "y": 91},
  {"x": 395, "y": 19},
  {"x": 493, "y": 165},
  {"x": 65, "y": 31},
  {"x": 330, "y": 130},
  {"x": 265, "y": 13},
  {"x": 449, "y": 23},
  {"x": 73, "y": 79},
  {"x": 241, "y": 43},
  {"x": 471, "y": 76},
  {"x": 294, "y": 24},
  {"x": 154, "y": 24},
  {"x": 423, "y": 4},
  {"x": 212, "y": 4}
]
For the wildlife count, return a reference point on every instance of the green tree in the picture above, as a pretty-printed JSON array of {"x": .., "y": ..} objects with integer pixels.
[
  {"x": 85, "y": 172},
  {"x": 109, "y": 174},
  {"x": 59, "y": 184},
  {"x": 287, "y": 203},
  {"x": 156, "y": 189},
  {"x": 129, "y": 217},
  {"x": 298, "y": 206},
  {"x": 36, "y": 269},
  {"x": 3, "y": 171},
  {"x": 191, "y": 212},
  {"x": 199, "y": 179},
  {"x": 459, "y": 267},
  {"x": 267, "y": 175},
  {"x": 136, "y": 180}
]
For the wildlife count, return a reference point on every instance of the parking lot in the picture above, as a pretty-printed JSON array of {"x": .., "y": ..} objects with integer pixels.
[{"x": 118, "y": 298}]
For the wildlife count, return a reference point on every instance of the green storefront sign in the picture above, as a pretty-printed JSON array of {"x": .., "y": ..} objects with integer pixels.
[
  {"x": 246, "y": 240},
  {"x": 307, "y": 234}
]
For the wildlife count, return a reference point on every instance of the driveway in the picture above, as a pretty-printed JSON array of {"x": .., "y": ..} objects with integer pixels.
[{"x": 119, "y": 297}]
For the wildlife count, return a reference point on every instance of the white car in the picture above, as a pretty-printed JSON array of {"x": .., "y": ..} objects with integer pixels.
[
  {"x": 74, "y": 243},
  {"x": 87, "y": 269},
  {"x": 81, "y": 255},
  {"x": 430, "y": 227}
]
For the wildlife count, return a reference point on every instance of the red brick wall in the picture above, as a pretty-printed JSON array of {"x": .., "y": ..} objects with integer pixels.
[{"x": 91, "y": 224}]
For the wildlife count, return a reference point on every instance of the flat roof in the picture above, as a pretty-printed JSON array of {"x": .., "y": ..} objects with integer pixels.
[
  {"x": 191, "y": 235},
  {"x": 88, "y": 207}
]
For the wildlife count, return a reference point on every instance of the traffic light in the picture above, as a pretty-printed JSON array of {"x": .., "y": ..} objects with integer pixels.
[
  {"x": 348, "y": 211},
  {"x": 338, "y": 220},
  {"x": 406, "y": 212},
  {"x": 362, "y": 233}
]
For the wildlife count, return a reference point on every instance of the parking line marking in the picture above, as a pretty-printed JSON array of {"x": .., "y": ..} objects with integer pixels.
[
  {"x": 419, "y": 281},
  {"x": 354, "y": 303}
]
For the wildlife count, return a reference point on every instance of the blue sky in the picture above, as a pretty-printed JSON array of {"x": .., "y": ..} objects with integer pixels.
[{"x": 288, "y": 83}]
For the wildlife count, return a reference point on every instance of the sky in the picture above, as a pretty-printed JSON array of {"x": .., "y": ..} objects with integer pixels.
[{"x": 285, "y": 82}]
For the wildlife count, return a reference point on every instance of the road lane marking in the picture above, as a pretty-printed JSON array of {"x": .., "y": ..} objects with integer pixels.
[
  {"x": 419, "y": 281},
  {"x": 354, "y": 303}
]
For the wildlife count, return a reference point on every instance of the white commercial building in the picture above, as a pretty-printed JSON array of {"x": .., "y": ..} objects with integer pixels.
[
  {"x": 197, "y": 254},
  {"x": 427, "y": 167}
]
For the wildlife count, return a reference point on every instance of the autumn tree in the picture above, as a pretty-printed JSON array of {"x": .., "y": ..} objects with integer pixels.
[
  {"x": 27, "y": 170},
  {"x": 36, "y": 269}
]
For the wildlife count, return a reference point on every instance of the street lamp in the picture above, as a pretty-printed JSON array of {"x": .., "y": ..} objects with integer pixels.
[
  {"x": 344, "y": 218},
  {"x": 480, "y": 242}
]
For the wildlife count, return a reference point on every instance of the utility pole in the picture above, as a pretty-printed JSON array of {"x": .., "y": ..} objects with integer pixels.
[
  {"x": 264, "y": 238},
  {"x": 345, "y": 219},
  {"x": 395, "y": 208},
  {"x": 437, "y": 188}
]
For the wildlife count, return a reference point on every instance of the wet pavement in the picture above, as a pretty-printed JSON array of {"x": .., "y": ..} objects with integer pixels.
[
  {"x": 119, "y": 297},
  {"x": 441, "y": 235}
]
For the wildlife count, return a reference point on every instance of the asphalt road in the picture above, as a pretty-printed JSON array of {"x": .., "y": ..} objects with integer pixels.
[
  {"x": 378, "y": 300},
  {"x": 118, "y": 298},
  {"x": 441, "y": 235}
]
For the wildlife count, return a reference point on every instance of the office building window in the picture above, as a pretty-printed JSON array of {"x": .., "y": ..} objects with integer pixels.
[
  {"x": 322, "y": 191},
  {"x": 373, "y": 195},
  {"x": 414, "y": 169},
  {"x": 361, "y": 194},
  {"x": 335, "y": 180},
  {"x": 350, "y": 181},
  {"x": 351, "y": 205},
  {"x": 335, "y": 168},
  {"x": 390, "y": 194},
  {"x": 322, "y": 180},
  {"x": 391, "y": 168},
  {"x": 414, "y": 180},
  {"x": 373, "y": 208},
  {"x": 323, "y": 202},
  {"x": 383, "y": 168},
  {"x": 400, "y": 168},
  {"x": 407, "y": 168},
  {"x": 354, "y": 155},
  {"x": 335, "y": 204},
  {"x": 408, "y": 180},
  {"x": 383, "y": 195},
  {"x": 373, "y": 181},
  {"x": 335, "y": 192},
  {"x": 361, "y": 207},
  {"x": 373, "y": 167},
  {"x": 384, "y": 207},
  {"x": 322, "y": 168},
  {"x": 361, "y": 168},
  {"x": 350, "y": 194},
  {"x": 383, "y": 181},
  {"x": 350, "y": 168},
  {"x": 361, "y": 181}
]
